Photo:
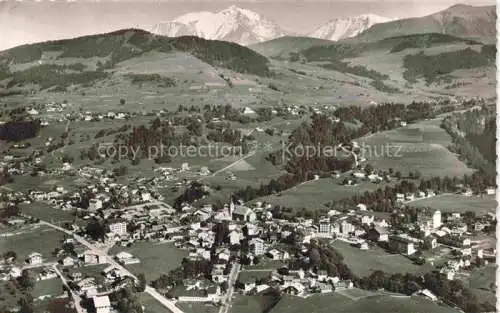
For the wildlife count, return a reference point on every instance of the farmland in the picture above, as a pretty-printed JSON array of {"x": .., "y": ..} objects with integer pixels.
[
  {"x": 155, "y": 258},
  {"x": 342, "y": 303},
  {"x": 459, "y": 203},
  {"x": 30, "y": 239},
  {"x": 363, "y": 263},
  {"x": 317, "y": 193}
]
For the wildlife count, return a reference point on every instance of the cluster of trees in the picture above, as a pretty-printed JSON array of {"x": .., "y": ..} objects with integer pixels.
[
  {"x": 474, "y": 138},
  {"x": 226, "y": 112},
  {"x": 333, "y": 52},
  {"x": 485, "y": 141},
  {"x": 223, "y": 54},
  {"x": 358, "y": 70},
  {"x": 324, "y": 257},
  {"x": 425, "y": 41},
  {"x": 228, "y": 135},
  {"x": 96, "y": 230},
  {"x": 162, "y": 81},
  {"x": 430, "y": 67},
  {"x": 194, "y": 192},
  {"x": 126, "y": 301},
  {"x": 9, "y": 212},
  {"x": 453, "y": 292},
  {"x": 188, "y": 269},
  {"x": 20, "y": 129},
  {"x": 5, "y": 176},
  {"x": 386, "y": 116},
  {"x": 153, "y": 138},
  {"x": 53, "y": 75}
]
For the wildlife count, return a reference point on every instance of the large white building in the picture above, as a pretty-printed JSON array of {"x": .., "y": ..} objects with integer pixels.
[
  {"x": 257, "y": 246},
  {"x": 35, "y": 258},
  {"x": 118, "y": 228},
  {"x": 324, "y": 226},
  {"x": 346, "y": 228}
]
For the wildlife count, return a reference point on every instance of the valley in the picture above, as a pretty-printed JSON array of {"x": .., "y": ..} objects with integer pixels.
[{"x": 221, "y": 164}]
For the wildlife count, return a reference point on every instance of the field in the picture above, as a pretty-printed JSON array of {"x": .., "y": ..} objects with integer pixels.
[
  {"x": 459, "y": 203},
  {"x": 318, "y": 193},
  {"x": 46, "y": 212},
  {"x": 156, "y": 259},
  {"x": 363, "y": 263},
  {"x": 151, "y": 305},
  {"x": 245, "y": 276},
  {"x": 48, "y": 288},
  {"x": 482, "y": 283},
  {"x": 42, "y": 291},
  {"x": 348, "y": 303},
  {"x": 32, "y": 238},
  {"x": 421, "y": 146}
]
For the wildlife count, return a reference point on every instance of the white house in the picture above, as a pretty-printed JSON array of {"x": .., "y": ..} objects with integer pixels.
[
  {"x": 32, "y": 111},
  {"x": 68, "y": 261},
  {"x": 361, "y": 207},
  {"x": 34, "y": 258},
  {"x": 248, "y": 111},
  {"x": 15, "y": 272},
  {"x": 490, "y": 191},
  {"x": 234, "y": 237},
  {"x": 101, "y": 304},
  {"x": 95, "y": 204}
]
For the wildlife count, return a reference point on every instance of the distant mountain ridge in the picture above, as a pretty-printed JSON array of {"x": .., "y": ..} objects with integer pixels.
[
  {"x": 460, "y": 20},
  {"x": 233, "y": 24},
  {"x": 342, "y": 28},
  {"x": 90, "y": 59}
]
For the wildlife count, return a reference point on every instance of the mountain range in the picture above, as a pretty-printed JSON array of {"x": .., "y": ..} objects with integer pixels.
[
  {"x": 234, "y": 24},
  {"x": 246, "y": 27},
  {"x": 342, "y": 28}
]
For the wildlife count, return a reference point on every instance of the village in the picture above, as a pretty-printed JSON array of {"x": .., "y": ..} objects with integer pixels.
[
  {"x": 235, "y": 237},
  {"x": 217, "y": 251}
]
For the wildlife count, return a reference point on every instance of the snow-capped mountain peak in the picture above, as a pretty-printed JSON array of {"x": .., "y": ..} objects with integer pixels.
[
  {"x": 234, "y": 24},
  {"x": 341, "y": 28}
]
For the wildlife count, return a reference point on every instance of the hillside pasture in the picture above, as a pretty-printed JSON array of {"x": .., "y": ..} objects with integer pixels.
[
  {"x": 317, "y": 193},
  {"x": 421, "y": 146},
  {"x": 363, "y": 263},
  {"x": 344, "y": 304},
  {"x": 459, "y": 203}
]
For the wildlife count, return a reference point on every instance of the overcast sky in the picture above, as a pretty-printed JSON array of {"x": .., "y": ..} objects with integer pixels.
[{"x": 30, "y": 21}]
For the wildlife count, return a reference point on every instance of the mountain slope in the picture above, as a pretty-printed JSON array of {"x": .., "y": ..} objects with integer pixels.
[
  {"x": 342, "y": 28},
  {"x": 282, "y": 47},
  {"x": 459, "y": 20},
  {"x": 86, "y": 60},
  {"x": 233, "y": 24}
]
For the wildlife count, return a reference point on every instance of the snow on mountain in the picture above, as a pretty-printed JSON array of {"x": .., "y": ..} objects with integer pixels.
[
  {"x": 341, "y": 28},
  {"x": 234, "y": 24}
]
